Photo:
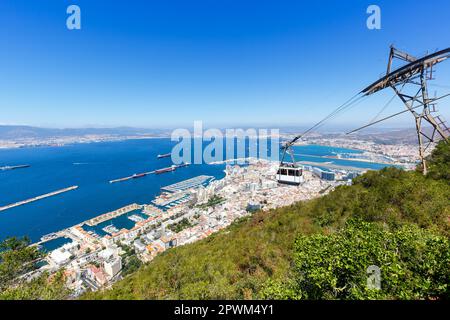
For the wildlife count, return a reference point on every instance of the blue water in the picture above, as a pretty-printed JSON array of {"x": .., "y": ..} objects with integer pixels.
[
  {"x": 91, "y": 166},
  {"x": 52, "y": 168},
  {"x": 120, "y": 222},
  {"x": 55, "y": 243},
  {"x": 316, "y": 153}
]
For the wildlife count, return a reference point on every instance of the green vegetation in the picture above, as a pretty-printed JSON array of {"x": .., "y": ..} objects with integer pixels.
[
  {"x": 130, "y": 261},
  {"x": 319, "y": 249},
  {"x": 44, "y": 287},
  {"x": 212, "y": 202},
  {"x": 413, "y": 262},
  {"x": 439, "y": 162},
  {"x": 17, "y": 258},
  {"x": 180, "y": 226}
]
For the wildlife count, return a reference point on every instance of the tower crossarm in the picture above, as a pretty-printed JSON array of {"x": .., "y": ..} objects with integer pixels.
[{"x": 413, "y": 68}]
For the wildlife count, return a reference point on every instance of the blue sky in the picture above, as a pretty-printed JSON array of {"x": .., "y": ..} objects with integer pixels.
[{"x": 226, "y": 62}]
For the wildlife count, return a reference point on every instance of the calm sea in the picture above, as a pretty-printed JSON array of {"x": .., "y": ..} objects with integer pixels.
[{"x": 91, "y": 166}]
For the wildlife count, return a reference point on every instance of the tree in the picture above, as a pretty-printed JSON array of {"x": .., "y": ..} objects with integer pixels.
[
  {"x": 439, "y": 162},
  {"x": 16, "y": 259},
  {"x": 44, "y": 287}
]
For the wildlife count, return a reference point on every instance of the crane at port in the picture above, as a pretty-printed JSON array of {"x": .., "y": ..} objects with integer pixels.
[{"x": 410, "y": 84}]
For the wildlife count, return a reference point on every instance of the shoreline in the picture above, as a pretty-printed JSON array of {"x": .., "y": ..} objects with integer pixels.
[{"x": 64, "y": 144}]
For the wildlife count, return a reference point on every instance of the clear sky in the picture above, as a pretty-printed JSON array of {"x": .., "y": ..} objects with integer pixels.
[{"x": 226, "y": 62}]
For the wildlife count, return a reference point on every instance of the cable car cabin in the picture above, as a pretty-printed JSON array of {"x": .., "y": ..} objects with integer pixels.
[{"x": 289, "y": 174}]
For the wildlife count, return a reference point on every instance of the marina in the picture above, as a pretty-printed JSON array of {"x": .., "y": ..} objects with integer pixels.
[
  {"x": 136, "y": 218},
  {"x": 113, "y": 214},
  {"x": 111, "y": 229},
  {"x": 116, "y": 224},
  {"x": 47, "y": 195},
  {"x": 52, "y": 244}
]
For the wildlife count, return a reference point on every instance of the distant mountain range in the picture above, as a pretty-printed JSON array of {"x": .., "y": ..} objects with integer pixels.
[
  {"x": 13, "y": 132},
  {"x": 19, "y": 132},
  {"x": 395, "y": 136}
]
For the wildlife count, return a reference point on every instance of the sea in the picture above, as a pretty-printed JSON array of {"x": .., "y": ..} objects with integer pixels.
[{"x": 91, "y": 166}]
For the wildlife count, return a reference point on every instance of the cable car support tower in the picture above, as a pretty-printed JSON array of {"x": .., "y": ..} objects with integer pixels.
[{"x": 410, "y": 84}]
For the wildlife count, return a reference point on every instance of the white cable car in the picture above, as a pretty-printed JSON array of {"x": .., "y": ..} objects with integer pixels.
[{"x": 289, "y": 173}]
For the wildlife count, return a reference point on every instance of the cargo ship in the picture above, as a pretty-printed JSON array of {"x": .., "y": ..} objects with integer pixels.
[
  {"x": 134, "y": 176},
  {"x": 164, "y": 170},
  {"x": 158, "y": 171},
  {"x": 14, "y": 167},
  {"x": 166, "y": 155},
  {"x": 183, "y": 165}
]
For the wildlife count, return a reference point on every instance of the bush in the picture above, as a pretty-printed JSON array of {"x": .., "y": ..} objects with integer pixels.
[{"x": 413, "y": 262}]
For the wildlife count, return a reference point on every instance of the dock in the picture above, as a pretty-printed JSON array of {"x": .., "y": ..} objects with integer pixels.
[
  {"x": 47, "y": 195},
  {"x": 113, "y": 214},
  {"x": 22, "y": 166}
]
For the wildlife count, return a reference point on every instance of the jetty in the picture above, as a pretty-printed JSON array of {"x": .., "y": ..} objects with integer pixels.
[
  {"x": 47, "y": 195},
  {"x": 22, "y": 166},
  {"x": 113, "y": 214}
]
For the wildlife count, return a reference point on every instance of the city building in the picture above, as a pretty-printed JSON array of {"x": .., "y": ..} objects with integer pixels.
[
  {"x": 139, "y": 246},
  {"x": 113, "y": 266},
  {"x": 325, "y": 175},
  {"x": 60, "y": 257}
]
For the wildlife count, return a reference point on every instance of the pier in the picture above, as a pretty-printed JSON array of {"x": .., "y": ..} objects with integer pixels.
[
  {"x": 22, "y": 166},
  {"x": 113, "y": 214},
  {"x": 47, "y": 195}
]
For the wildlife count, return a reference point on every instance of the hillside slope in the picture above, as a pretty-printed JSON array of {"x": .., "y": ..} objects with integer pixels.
[{"x": 263, "y": 256}]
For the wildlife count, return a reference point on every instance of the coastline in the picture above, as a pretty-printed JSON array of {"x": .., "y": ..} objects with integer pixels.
[{"x": 47, "y": 144}]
